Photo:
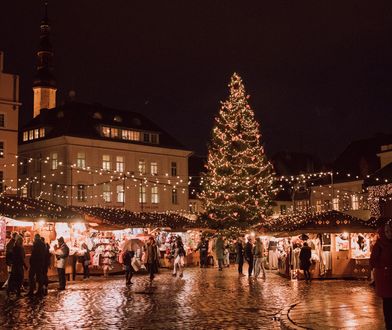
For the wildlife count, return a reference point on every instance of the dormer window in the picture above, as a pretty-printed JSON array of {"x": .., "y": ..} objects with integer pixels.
[
  {"x": 33, "y": 134},
  {"x": 117, "y": 119},
  {"x": 97, "y": 115}
]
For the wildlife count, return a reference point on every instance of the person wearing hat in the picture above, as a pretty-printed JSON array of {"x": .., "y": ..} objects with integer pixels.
[
  {"x": 37, "y": 263},
  {"x": 62, "y": 253}
]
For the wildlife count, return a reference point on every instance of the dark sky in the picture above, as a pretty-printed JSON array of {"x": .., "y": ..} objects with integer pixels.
[{"x": 319, "y": 72}]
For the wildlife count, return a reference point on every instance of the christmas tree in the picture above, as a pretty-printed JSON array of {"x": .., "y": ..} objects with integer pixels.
[{"x": 237, "y": 186}]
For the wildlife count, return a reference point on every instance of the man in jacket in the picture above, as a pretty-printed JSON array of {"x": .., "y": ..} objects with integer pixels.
[
  {"x": 240, "y": 255},
  {"x": 249, "y": 255},
  {"x": 37, "y": 263},
  {"x": 219, "y": 250},
  {"x": 8, "y": 256},
  {"x": 259, "y": 257},
  {"x": 304, "y": 260},
  {"x": 203, "y": 248},
  {"x": 381, "y": 262},
  {"x": 151, "y": 257},
  {"x": 62, "y": 253}
]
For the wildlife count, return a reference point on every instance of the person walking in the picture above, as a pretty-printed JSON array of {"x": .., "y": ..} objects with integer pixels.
[
  {"x": 37, "y": 263},
  {"x": 219, "y": 250},
  {"x": 248, "y": 253},
  {"x": 240, "y": 255},
  {"x": 179, "y": 255},
  {"x": 203, "y": 248},
  {"x": 86, "y": 261},
  {"x": 47, "y": 262},
  {"x": 62, "y": 252},
  {"x": 8, "y": 256},
  {"x": 18, "y": 264},
  {"x": 151, "y": 257},
  {"x": 129, "y": 271},
  {"x": 304, "y": 260},
  {"x": 259, "y": 257},
  {"x": 381, "y": 262}
]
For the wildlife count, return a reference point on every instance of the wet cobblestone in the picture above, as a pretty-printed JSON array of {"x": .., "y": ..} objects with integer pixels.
[{"x": 203, "y": 299}]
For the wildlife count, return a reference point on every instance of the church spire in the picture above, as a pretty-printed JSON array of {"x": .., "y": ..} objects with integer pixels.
[{"x": 44, "y": 84}]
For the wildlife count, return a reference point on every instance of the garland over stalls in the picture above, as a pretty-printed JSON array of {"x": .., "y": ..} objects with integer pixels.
[
  {"x": 376, "y": 194},
  {"x": 237, "y": 186}
]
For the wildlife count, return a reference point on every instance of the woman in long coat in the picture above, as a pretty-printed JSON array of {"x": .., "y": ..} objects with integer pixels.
[
  {"x": 381, "y": 262},
  {"x": 17, "y": 271},
  {"x": 240, "y": 255},
  {"x": 304, "y": 260}
]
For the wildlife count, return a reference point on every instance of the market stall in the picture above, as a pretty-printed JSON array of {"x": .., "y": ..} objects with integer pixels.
[{"x": 340, "y": 244}]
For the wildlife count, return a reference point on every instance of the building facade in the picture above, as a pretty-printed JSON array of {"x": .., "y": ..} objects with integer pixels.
[{"x": 9, "y": 110}]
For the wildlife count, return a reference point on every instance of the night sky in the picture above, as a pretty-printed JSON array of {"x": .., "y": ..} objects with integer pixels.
[{"x": 319, "y": 72}]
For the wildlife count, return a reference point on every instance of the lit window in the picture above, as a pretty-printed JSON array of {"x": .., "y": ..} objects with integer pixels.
[
  {"x": 114, "y": 133},
  {"x": 42, "y": 132},
  {"x": 24, "y": 191},
  {"x": 142, "y": 194},
  {"x": 154, "y": 168},
  {"x": 354, "y": 202},
  {"x": 2, "y": 120},
  {"x": 31, "y": 135},
  {"x": 81, "y": 160},
  {"x": 25, "y": 136},
  {"x": 2, "y": 152},
  {"x": 106, "y": 131},
  {"x": 54, "y": 161},
  {"x": 135, "y": 136},
  {"x": 154, "y": 195},
  {"x": 142, "y": 166},
  {"x": 106, "y": 192},
  {"x": 82, "y": 193},
  {"x": 106, "y": 162},
  {"x": 125, "y": 134},
  {"x": 36, "y": 133},
  {"x": 174, "y": 196},
  {"x": 319, "y": 207},
  {"x": 120, "y": 164},
  {"x": 1, "y": 181},
  {"x": 173, "y": 168},
  {"x": 335, "y": 204},
  {"x": 120, "y": 193}
]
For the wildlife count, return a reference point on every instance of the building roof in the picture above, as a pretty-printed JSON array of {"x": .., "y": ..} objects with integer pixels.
[
  {"x": 360, "y": 157},
  {"x": 84, "y": 120},
  {"x": 294, "y": 163},
  {"x": 380, "y": 177}
]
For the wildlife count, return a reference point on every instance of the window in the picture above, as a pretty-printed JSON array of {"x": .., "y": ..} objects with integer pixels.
[
  {"x": 1, "y": 181},
  {"x": 24, "y": 191},
  {"x": 25, "y": 136},
  {"x": 54, "y": 161},
  {"x": 23, "y": 166},
  {"x": 142, "y": 194},
  {"x": 120, "y": 164},
  {"x": 31, "y": 135},
  {"x": 154, "y": 138},
  {"x": 335, "y": 204},
  {"x": 36, "y": 133},
  {"x": 114, "y": 133},
  {"x": 106, "y": 131},
  {"x": 81, "y": 160},
  {"x": 173, "y": 169},
  {"x": 142, "y": 166},
  {"x": 319, "y": 207},
  {"x": 106, "y": 192},
  {"x": 174, "y": 196},
  {"x": 120, "y": 194},
  {"x": 2, "y": 152},
  {"x": 2, "y": 120},
  {"x": 154, "y": 168},
  {"x": 42, "y": 132},
  {"x": 154, "y": 195},
  {"x": 106, "y": 162},
  {"x": 82, "y": 193},
  {"x": 135, "y": 136},
  {"x": 354, "y": 202},
  {"x": 146, "y": 137}
]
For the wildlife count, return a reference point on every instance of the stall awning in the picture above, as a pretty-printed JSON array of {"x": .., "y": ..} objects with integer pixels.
[
  {"x": 29, "y": 209},
  {"x": 331, "y": 222}
]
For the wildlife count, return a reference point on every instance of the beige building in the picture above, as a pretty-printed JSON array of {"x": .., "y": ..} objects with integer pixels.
[{"x": 9, "y": 109}]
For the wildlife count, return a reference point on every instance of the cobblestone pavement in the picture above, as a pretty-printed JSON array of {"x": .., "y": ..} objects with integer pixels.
[{"x": 203, "y": 299}]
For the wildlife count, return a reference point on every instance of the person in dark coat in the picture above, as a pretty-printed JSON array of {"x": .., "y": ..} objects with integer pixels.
[
  {"x": 151, "y": 257},
  {"x": 248, "y": 253},
  {"x": 8, "y": 256},
  {"x": 240, "y": 255},
  {"x": 47, "y": 262},
  {"x": 304, "y": 260},
  {"x": 37, "y": 264},
  {"x": 18, "y": 263},
  {"x": 381, "y": 262},
  {"x": 203, "y": 247},
  {"x": 129, "y": 271},
  {"x": 219, "y": 250}
]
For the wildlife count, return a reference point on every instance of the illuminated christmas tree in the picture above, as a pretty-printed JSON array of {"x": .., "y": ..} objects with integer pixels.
[{"x": 237, "y": 187}]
